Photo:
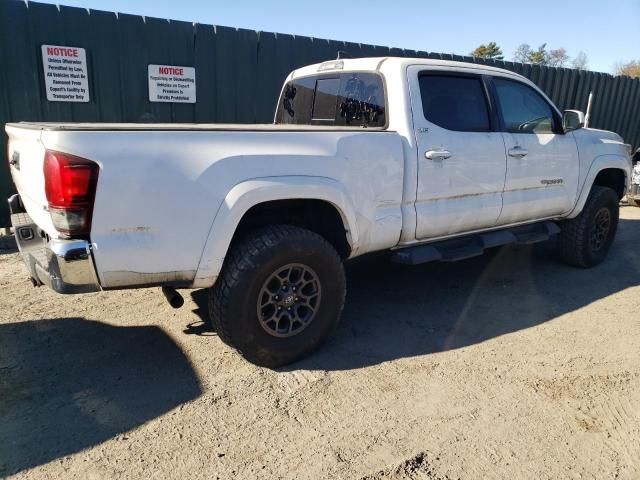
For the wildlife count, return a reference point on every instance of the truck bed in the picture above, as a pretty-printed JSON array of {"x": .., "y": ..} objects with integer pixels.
[{"x": 161, "y": 186}]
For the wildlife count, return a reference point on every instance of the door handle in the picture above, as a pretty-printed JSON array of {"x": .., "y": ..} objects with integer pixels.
[
  {"x": 433, "y": 154},
  {"x": 517, "y": 152}
]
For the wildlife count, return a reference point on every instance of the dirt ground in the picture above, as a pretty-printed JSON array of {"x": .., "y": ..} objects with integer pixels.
[{"x": 508, "y": 366}]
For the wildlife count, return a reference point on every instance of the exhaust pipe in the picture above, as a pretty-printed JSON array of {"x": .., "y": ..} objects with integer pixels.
[{"x": 173, "y": 297}]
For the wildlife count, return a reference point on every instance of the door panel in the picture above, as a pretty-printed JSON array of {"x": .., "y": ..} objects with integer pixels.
[
  {"x": 459, "y": 188},
  {"x": 543, "y": 183},
  {"x": 542, "y": 162},
  {"x": 464, "y": 191}
]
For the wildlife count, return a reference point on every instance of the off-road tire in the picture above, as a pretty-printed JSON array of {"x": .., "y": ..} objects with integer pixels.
[
  {"x": 233, "y": 300},
  {"x": 574, "y": 242}
]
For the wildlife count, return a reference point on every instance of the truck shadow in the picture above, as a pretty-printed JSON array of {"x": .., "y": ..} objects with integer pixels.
[
  {"x": 70, "y": 383},
  {"x": 7, "y": 244},
  {"x": 394, "y": 311}
]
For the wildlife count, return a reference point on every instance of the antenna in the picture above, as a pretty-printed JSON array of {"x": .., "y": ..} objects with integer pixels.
[{"x": 589, "y": 105}]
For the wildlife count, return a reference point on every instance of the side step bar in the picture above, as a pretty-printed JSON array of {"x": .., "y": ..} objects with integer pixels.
[{"x": 474, "y": 245}]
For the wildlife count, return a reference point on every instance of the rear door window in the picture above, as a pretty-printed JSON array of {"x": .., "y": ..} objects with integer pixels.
[
  {"x": 349, "y": 99},
  {"x": 455, "y": 102}
]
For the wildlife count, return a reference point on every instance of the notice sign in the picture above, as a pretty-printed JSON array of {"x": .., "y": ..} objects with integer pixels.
[
  {"x": 65, "y": 73},
  {"x": 172, "y": 84}
]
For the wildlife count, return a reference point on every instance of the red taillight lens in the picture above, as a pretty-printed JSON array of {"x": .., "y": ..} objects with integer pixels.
[{"x": 70, "y": 185}]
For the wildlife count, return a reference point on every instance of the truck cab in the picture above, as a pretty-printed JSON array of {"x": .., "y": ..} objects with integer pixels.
[{"x": 484, "y": 147}]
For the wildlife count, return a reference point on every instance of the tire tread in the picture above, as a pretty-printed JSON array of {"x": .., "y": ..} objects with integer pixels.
[
  {"x": 240, "y": 262},
  {"x": 573, "y": 238}
]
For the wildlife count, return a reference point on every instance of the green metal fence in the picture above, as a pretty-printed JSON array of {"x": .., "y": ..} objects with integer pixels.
[{"x": 239, "y": 72}]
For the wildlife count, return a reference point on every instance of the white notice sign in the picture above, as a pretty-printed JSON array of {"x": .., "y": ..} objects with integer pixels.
[
  {"x": 172, "y": 84},
  {"x": 65, "y": 73}
]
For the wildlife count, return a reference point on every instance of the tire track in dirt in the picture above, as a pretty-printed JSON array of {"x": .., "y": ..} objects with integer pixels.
[{"x": 607, "y": 406}]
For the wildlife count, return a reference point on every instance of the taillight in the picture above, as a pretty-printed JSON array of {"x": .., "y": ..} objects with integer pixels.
[{"x": 70, "y": 185}]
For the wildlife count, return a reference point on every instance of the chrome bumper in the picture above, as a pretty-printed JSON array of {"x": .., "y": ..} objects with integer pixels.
[{"x": 65, "y": 266}]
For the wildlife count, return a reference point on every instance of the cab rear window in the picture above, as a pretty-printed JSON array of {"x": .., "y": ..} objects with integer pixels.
[{"x": 352, "y": 99}]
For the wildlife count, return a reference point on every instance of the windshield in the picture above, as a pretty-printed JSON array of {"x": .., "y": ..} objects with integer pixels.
[{"x": 351, "y": 99}]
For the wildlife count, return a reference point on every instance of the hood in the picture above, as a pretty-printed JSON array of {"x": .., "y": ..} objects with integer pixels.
[
  {"x": 603, "y": 136},
  {"x": 596, "y": 142}
]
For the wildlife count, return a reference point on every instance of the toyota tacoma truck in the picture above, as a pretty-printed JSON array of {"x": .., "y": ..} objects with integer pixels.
[{"x": 428, "y": 159}]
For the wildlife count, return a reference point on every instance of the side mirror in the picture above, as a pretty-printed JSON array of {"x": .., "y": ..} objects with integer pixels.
[{"x": 572, "y": 120}]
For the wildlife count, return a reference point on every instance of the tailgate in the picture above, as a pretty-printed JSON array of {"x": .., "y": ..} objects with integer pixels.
[{"x": 26, "y": 158}]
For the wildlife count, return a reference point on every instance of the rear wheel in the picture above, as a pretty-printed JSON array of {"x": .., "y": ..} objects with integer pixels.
[
  {"x": 585, "y": 241},
  {"x": 279, "y": 295}
]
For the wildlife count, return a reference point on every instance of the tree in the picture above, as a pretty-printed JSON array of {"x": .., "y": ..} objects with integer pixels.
[
  {"x": 539, "y": 56},
  {"x": 525, "y": 54},
  {"x": 488, "y": 51},
  {"x": 630, "y": 69},
  {"x": 557, "y": 57},
  {"x": 580, "y": 62},
  {"x": 522, "y": 53}
]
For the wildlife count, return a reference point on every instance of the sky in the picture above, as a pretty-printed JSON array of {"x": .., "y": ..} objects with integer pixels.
[{"x": 607, "y": 31}]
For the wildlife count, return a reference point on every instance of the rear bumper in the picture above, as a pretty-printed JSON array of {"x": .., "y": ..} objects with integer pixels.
[{"x": 65, "y": 266}]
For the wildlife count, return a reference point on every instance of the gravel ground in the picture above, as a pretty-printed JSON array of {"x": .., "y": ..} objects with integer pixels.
[{"x": 511, "y": 365}]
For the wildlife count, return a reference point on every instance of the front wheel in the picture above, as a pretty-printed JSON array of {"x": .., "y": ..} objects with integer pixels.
[
  {"x": 584, "y": 241},
  {"x": 279, "y": 295}
]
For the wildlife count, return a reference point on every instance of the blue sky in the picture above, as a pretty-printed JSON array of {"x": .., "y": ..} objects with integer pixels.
[{"x": 607, "y": 31}]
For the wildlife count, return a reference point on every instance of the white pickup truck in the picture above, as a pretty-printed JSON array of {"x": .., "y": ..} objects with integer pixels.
[{"x": 433, "y": 160}]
